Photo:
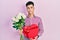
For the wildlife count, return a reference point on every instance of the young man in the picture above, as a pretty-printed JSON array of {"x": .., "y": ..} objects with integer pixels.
[{"x": 31, "y": 19}]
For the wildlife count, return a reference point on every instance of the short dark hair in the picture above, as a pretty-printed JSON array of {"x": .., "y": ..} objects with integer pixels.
[{"x": 29, "y": 3}]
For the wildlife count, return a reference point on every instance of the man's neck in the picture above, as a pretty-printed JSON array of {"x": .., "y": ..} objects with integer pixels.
[{"x": 30, "y": 15}]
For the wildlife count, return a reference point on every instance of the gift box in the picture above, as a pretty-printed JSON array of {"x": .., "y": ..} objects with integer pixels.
[{"x": 31, "y": 31}]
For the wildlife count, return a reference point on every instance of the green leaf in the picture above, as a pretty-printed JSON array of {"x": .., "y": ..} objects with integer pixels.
[
  {"x": 14, "y": 26},
  {"x": 17, "y": 28},
  {"x": 18, "y": 25}
]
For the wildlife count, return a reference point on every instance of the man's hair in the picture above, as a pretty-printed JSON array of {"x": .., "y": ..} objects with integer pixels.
[{"x": 29, "y": 3}]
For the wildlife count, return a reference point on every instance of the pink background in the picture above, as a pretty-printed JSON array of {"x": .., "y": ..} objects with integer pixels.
[{"x": 48, "y": 10}]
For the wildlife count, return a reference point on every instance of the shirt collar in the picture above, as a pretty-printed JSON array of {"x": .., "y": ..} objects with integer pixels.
[{"x": 33, "y": 16}]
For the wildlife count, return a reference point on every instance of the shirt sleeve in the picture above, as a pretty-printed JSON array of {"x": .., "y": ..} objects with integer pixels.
[{"x": 40, "y": 25}]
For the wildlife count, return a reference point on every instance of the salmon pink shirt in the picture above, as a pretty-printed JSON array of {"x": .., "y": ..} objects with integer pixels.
[{"x": 34, "y": 20}]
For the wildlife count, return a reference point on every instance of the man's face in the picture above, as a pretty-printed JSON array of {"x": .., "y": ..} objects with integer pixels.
[{"x": 30, "y": 9}]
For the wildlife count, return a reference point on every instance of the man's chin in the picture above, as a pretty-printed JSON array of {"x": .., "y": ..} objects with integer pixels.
[{"x": 30, "y": 13}]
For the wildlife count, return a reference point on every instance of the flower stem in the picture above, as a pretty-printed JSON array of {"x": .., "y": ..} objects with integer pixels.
[{"x": 21, "y": 37}]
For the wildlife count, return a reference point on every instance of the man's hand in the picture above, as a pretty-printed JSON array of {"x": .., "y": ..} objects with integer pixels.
[
  {"x": 36, "y": 38},
  {"x": 20, "y": 31}
]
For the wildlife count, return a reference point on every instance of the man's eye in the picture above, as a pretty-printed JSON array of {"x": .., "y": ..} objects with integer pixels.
[
  {"x": 28, "y": 8},
  {"x": 31, "y": 7}
]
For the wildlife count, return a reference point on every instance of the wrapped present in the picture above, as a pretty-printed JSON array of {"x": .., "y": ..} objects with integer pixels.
[{"x": 31, "y": 31}]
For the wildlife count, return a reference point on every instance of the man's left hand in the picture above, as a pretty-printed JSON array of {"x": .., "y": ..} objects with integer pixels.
[{"x": 36, "y": 38}]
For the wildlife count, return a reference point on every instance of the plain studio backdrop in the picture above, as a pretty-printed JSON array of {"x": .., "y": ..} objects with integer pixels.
[{"x": 48, "y": 10}]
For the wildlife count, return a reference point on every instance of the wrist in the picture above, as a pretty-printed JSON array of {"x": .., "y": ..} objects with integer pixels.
[{"x": 38, "y": 36}]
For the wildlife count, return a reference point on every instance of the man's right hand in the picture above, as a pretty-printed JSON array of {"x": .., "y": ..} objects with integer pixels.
[{"x": 20, "y": 31}]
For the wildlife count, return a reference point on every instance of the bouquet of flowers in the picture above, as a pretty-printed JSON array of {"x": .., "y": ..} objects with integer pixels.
[{"x": 18, "y": 22}]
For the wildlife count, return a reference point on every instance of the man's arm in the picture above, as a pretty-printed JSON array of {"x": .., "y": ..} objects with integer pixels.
[{"x": 40, "y": 25}]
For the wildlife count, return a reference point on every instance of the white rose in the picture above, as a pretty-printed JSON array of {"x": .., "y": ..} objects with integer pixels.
[
  {"x": 14, "y": 19},
  {"x": 24, "y": 16},
  {"x": 19, "y": 16}
]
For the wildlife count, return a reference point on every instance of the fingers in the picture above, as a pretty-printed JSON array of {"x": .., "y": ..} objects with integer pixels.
[
  {"x": 36, "y": 38},
  {"x": 20, "y": 31}
]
